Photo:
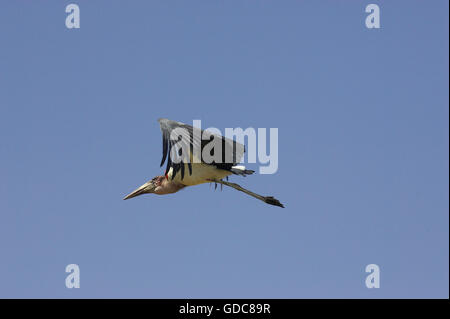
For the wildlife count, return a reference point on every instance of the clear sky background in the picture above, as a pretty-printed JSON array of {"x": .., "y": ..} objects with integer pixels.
[{"x": 363, "y": 121}]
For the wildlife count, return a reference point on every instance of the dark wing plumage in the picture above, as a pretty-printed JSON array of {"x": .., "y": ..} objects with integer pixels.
[{"x": 190, "y": 138}]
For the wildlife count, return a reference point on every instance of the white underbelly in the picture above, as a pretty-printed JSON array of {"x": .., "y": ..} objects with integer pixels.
[{"x": 201, "y": 173}]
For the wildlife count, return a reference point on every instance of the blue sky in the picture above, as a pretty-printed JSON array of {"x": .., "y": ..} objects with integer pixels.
[{"x": 363, "y": 148}]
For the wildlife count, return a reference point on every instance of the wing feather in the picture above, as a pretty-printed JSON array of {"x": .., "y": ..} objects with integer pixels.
[{"x": 190, "y": 138}]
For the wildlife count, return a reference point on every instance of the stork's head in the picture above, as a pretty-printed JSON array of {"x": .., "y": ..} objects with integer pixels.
[
  {"x": 159, "y": 185},
  {"x": 153, "y": 186}
]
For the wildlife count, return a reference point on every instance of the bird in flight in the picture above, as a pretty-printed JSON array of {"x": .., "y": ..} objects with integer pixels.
[{"x": 183, "y": 147}]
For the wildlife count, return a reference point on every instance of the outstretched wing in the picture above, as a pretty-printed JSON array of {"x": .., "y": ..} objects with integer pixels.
[{"x": 177, "y": 136}]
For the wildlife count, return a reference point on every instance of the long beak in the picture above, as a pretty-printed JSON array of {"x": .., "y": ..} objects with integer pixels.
[{"x": 144, "y": 189}]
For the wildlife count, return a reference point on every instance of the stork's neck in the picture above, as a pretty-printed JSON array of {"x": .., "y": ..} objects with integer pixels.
[{"x": 168, "y": 186}]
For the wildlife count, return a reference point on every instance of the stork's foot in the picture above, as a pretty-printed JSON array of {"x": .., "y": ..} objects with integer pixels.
[
  {"x": 272, "y": 201},
  {"x": 266, "y": 199}
]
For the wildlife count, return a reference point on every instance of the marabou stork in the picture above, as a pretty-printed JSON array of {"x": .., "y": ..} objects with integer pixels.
[{"x": 190, "y": 168}]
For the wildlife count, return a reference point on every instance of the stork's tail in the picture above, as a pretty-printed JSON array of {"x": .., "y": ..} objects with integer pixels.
[{"x": 240, "y": 170}]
